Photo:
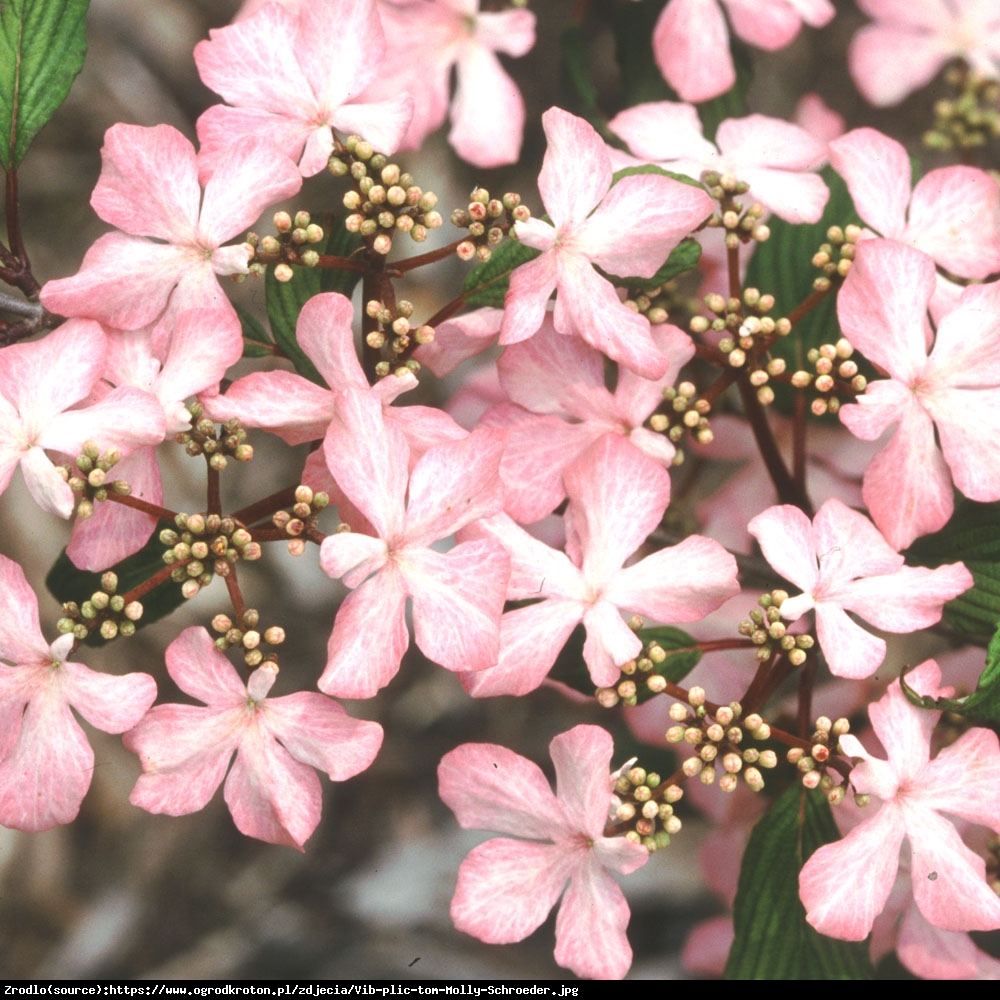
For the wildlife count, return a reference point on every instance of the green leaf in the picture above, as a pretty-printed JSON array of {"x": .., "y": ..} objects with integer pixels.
[
  {"x": 257, "y": 342},
  {"x": 682, "y": 651},
  {"x": 67, "y": 583},
  {"x": 652, "y": 168},
  {"x": 983, "y": 705},
  {"x": 486, "y": 284},
  {"x": 773, "y": 940},
  {"x": 641, "y": 79},
  {"x": 972, "y": 536},
  {"x": 42, "y": 45},
  {"x": 573, "y": 49}
]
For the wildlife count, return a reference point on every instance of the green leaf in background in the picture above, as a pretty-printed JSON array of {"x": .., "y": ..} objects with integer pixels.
[
  {"x": 67, "y": 583},
  {"x": 573, "y": 48},
  {"x": 972, "y": 536},
  {"x": 486, "y": 284},
  {"x": 285, "y": 299},
  {"x": 641, "y": 79},
  {"x": 256, "y": 341},
  {"x": 773, "y": 940},
  {"x": 42, "y": 45}
]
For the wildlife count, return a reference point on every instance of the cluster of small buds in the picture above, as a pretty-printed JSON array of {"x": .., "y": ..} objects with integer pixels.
[
  {"x": 741, "y": 224},
  {"x": 290, "y": 246},
  {"x": 834, "y": 258},
  {"x": 384, "y": 199},
  {"x": 247, "y": 634},
  {"x": 642, "y": 803},
  {"x": 971, "y": 117},
  {"x": 106, "y": 610},
  {"x": 812, "y": 763},
  {"x": 304, "y": 511},
  {"x": 746, "y": 332},
  {"x": 682, "y": 411},
  {"x": 769, "y": 633},
  {"x": 396, "y": 334},
  {"x": 204, "y": 544},
  {"x": 88, "y": 477},
  {"x": 488, "y": 221},
  {"x": 655, "y": 302},
  {"x": 716, "y": 737},
  {"x": 834, "y": 374},
  {"x": 635, "y": 673},
  {"x": 216, "y": 445}
]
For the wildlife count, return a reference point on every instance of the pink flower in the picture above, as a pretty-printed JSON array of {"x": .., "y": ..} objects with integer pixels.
[
  {"x": 691, "y": 40},
  {"x": 170, "y": 249},
  {"x": 46, "y": 762},
  {"x": 843, "y": 564},
  {"x": 617, "y": 497},
  {"x": 628, "y": 230},
  {"x": 845, "y": 885},
  {"x": 506, "y": 888},
  {"x": 774, "y": 157},
  {"x": 911, "y": 40},
  {"x": 952, "y": 214},
  {"x": 39, "y": 383},
  {"x": 457, "y": 595},
  {"x": 271, "y": 789},
  {"x": 487, "y": 111},
  {"x": 949, "y": 396},
  {"x": 292, "y": 77}
]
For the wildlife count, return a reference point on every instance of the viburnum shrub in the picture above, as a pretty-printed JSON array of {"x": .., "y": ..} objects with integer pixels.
[{"x": 621, "y": 337}]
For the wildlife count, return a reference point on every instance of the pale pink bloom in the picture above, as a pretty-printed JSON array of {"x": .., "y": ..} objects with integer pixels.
[
  {"x": 39, "y": 383},
  {"x": 842, "y": 563},
  {"x": 149, "y": 188},
  {"x": 617, "y": 497},
  {"x": 457, "y": 595},
  {"x": 691, "y": 39},
  {"x": 271, "y": 788},
  {"x": 773, "y": 156},
  {"x": 846, "y": 884},
  {"x": 950, "y": 395},
  {"x": 559, "y": 405},
  {"x": 506, "y": 888},
  {"x": 46, "y": 762},
  {"x": 456, "y": 340},
  {"x": 426, "y": 39},
  {"x": 293, "y": 77},
  {"x": 627, "y": 230},
  {"x": 952, "y": 214},
  {"x": 911, "y": 40}
]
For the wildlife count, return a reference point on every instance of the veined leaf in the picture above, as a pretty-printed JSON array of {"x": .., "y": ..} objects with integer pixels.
[{"x": 42, "y": 46}]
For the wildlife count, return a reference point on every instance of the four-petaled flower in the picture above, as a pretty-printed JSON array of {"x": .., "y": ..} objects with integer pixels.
[
  {"x": 506, "y": 887},
  {"x": 843, "y": 564},
  {"x": 845, "y": 885},
  {"x": 271, "y": 789}
]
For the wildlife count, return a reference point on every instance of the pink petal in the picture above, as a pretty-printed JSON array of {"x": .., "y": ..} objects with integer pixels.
[
  {"x": 531, "y": 284},
  {"x": 582, "y": 759},
  {"x": 609, "y": 643},
  {"x": 691, "y": 47},
  {"x": 963, "y": 777},
  {"x": 21, "y": 640},
  {"x": 576, "y": 171},
  {"x": 877, "y": 171},
  {"x": 850, "y": 650},
  {"x": 845, "y": 885},
  {"x": 506, "y": 889},
  {"x": 785, "y": 536},
  {"x": 878, "y": 72},
  {"x": 200, "y": 670},
  {"x": 487, "y": 113},
  {"x": 355, "y": 666},
  {"x": 109, "y": 703},
  {"x": 489, "y": 787},
  {"x": 458, "y": 599}
]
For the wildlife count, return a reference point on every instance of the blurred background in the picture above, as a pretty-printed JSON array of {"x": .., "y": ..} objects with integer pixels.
[{"x": 123, "y": 894}]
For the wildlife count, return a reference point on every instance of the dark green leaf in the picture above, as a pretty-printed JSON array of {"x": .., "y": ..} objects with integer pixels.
[
  {"x": 641, "y": 79},
  {"x": 67, "y": 583},
  {"x": 972, "y": 536},
  {"x": 773, "y": 940},
  {"x": 682, "y": 651},
  {"x": 42, "y": 45},
  {"x": 652, "y": 168},
  {"x": 339, "y": 243},
  {"x": 486, "y": 284},
  {"x": 574, "y": 63},
  {"x": 256, "y": 341}
]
